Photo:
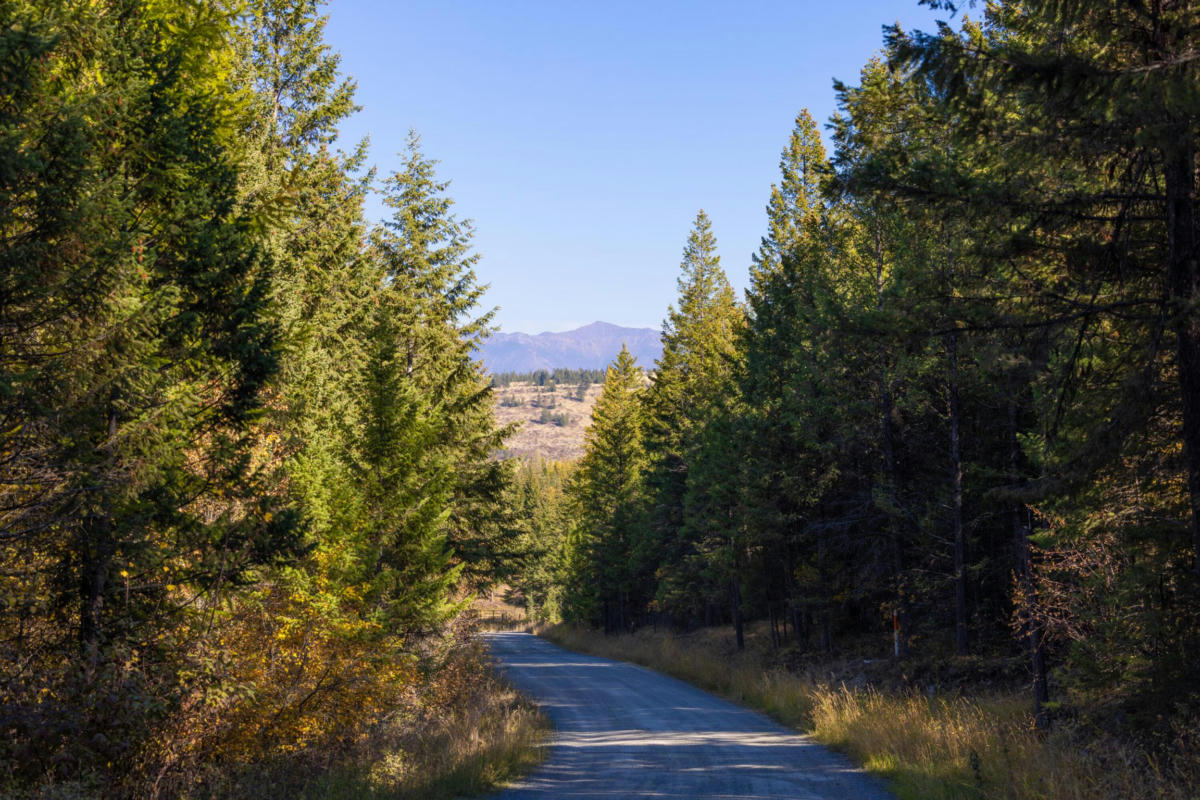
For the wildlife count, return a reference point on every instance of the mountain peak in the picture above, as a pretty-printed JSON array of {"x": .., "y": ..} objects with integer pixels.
[{"x": 593, "y": 346}]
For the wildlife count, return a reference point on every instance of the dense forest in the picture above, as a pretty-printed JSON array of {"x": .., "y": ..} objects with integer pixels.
[
  {"x": 958, "y": 413},
  {"x": 249, "y": 472},
  {"x": 247, "y": 481}
]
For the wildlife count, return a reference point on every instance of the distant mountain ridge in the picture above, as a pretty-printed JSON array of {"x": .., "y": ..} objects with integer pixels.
[{"x": 590, "y": 347}]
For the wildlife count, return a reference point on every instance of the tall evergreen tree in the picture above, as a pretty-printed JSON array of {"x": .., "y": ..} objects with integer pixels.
[
  {"x": 607, "y": 487},
  {"x": 692, "y": 380},
  {"x": 136, "y": 346},
  {"x": 802, "y": 165},
  {"x": 787, "y": 405},
  {"x": 425, "y": 255},
  {"x": 545, "y": 522},
  {"x": 404, "y": 469}
]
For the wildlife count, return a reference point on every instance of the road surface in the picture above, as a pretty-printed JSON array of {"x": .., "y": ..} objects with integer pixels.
[{"x": 628, "y": 732}]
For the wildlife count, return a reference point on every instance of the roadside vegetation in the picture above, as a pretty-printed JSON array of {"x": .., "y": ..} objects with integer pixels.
[
  {"x": 931, "y": 743},
  {"x": 246, "y": 473},
  {"x": 466, "y": 733},
  {"x": 462, "y": 732},
  {"x": 952, "y": 427}
]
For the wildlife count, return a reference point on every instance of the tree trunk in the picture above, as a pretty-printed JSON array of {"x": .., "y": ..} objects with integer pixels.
[
  {"x": 887, "y": 440},
  {"x": 735, "y": 604},
  {"x": 826, "y": 611},
  {"x": 1029, "y": 631},
  {"x": 797, "y": 625},
  {"x": 95, "y": 551},
  {"x": 1183, "y": 281},
  {"x": 887, "y": 437},
  {"x": 960, "y": 545}
]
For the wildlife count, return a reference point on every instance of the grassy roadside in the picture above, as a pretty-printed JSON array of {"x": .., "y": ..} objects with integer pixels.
[
  {"x": 928, "y": 748},
  {"x": 468, "y": 733},
  {"x": 475, "y": 751}
]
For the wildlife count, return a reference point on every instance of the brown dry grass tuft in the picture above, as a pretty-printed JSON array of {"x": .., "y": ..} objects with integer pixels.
[{"x": 940, "y": 748}]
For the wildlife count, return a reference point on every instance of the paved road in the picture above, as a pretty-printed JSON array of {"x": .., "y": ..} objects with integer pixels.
[{"x": 628, "y": 732}]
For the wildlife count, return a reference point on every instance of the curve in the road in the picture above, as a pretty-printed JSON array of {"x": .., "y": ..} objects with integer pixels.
[{"x": 628, "y": 732}]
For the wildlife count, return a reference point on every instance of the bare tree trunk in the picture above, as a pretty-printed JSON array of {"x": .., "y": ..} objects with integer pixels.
[
  {"x": 887, "y": 437},
  {"x": 1183, "y": 280},
  {"x": 735, "y": 603},
  {"x": 960, "y": 544},
  {"x": 826, "y": 611},
  {"x": 96, "y": 550},
  {"x": 887, "y": 441},
  {"x": 1029, "y": 631},
  {"x": 797, "y": 624}
]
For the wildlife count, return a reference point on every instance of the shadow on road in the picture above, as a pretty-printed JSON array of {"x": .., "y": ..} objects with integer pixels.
[{"x": 628, "y": 732}]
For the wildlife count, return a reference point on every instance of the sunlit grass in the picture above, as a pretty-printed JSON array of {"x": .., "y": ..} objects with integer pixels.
[
  {"x": 929, "y": 748},
  {"x": 483, "y": 738},
  {"x": 470, "y": 754}
]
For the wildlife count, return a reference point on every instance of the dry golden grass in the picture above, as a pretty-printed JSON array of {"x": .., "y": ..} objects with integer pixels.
[
  {"x": 468, "y": 733},
  {"x": 547, "y": 440},
  {"x": 940, "y": 748},
  {"x": 471, "y": 752}
]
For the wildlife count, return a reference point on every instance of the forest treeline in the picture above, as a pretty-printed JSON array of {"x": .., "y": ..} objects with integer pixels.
[
  {"x": 246, "y": 476},
  {"x": 549, "y": 377},
  {"x": 961, "y": 399}
]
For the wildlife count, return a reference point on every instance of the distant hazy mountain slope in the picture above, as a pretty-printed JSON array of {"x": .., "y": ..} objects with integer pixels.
[{"x": 590, "y": 347}]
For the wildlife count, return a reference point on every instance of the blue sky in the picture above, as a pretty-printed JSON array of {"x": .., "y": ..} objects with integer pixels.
[{"x": 582, "y": 138}]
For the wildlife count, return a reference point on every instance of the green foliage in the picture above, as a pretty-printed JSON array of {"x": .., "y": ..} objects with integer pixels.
[
  {"x": 1091, "y": 258},
  {"x": 606, "y": 489},
  {"x": 548, "y": 417},
  {"x": 543, "y": 377},
  {"x": 137, "y": 343},
  {"x": 963, "y": 400},
  {"x": 428, "y": 269},
  {"x": 544, "y": 515},
  {"x": 247, "y": 452},
  {"x": 692, "y": 384}
]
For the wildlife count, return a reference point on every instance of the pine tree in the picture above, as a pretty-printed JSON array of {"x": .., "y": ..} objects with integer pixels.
[
  {"x": 424, "y": 252},
  {"x": 795, "y": 199},
  {"x": 405, "y": 473},
  {"x": 545, "y": 521},
  {"x": 1090, "y": 240},
  {"x": 789, "y": 409},
  {"x": 607, "y": 488},
  {"x": 692, "y": 380},
  {"x": 141, "y": 348}
]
